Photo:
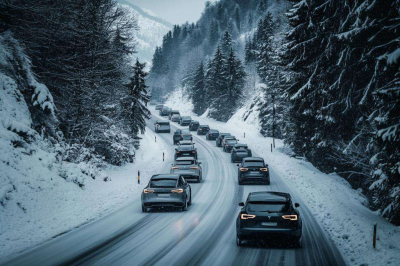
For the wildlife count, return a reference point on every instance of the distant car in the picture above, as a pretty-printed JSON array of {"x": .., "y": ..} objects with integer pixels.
[
  {"x": 173, "y": 112},
  {"x": 240, "y": 151},
  {"x": 159, "y": 106},
  {"x": 194, "y": 125},
  {"x": 228, "y": 144},
  {"x": 162, "y": 127},
  {"x": 168, "y": 190},
  {"x": 181, "y": 134},
  {"x": 269, "y": 216},
  {"x": 189, "y": 168},
  {"x": 203, "y": 130},
  {"x": 185, "y": 151},
  {"x": 165, "y": 111},
  {"x": 175, "y": 118},
  {"x": 185, "y": 120},
  {"x": 253, "y": 170},
  {"x": 212, "y": 134},
  {"x": 220, "y": 138}
]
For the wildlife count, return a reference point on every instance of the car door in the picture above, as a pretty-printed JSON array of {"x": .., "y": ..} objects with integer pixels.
[{"x": 185, "y": 186}]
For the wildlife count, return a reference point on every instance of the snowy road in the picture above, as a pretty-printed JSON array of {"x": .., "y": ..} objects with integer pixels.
[{"x": 204, "y": 235}]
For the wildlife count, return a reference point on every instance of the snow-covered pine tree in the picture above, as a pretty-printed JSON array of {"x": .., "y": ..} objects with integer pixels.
[
  {"x": 226, "y": 43},
  {"x": 134, "y": 104},
  {"x": 198, "y": 92}
]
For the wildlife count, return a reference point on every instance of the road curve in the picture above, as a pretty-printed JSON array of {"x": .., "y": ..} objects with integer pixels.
[{"x": 204, "y": 235}]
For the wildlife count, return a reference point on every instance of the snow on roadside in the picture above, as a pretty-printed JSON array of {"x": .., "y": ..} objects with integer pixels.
[
  {"x": 46, "y": 205},
  {"x": 339, "y": 209}
]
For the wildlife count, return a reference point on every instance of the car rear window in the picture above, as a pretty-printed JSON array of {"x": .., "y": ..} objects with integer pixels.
[
  {"x": 270, "y": 207},
  {"x": 253, "y": 164},
  {"x": 184, "y": 162},
  {"x": 213, "y": 131},
  {"x": 163, "y": 123},
  {"x": 161, "y": 183}
]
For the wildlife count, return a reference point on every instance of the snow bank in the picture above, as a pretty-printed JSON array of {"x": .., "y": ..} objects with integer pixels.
[
  {"x": 339, "y": 209},
  {"x": 179, "y": 100}
]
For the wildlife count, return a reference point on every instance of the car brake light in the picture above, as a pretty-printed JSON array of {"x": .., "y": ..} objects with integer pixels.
[
  {"x": 245, "y": 216},
  {"x": 243, "y": 169},
  {"x": 148, "y": 191},
  {"x": 180, "y": 190},
  {"x": 177, "y": 151},
  {"x": 175, "y": 167},
  {"x": 264, "y": 169},
  {"x": 194, "y": 167},
  {"x": 290, "y": 217},
  {"x": 193, "y": 151}
]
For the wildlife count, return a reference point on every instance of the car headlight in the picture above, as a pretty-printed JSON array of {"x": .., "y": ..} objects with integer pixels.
[
  {"x": 180, "y": 190},
  {"x": 148, "y": 191},
  {"x": 245, "y": 216},
  {"x": 291, "y": 217},
  {"x": 243, "y": 169},
  {"x": 264, "y": 169}
]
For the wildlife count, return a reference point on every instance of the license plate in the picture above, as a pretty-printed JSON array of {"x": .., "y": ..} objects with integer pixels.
[
  {"x": 163, "y": 195},
  {"x": 254, "y": 172},
  {"x": 186, "y": 154},
  {"x": 269, "y": 224}
]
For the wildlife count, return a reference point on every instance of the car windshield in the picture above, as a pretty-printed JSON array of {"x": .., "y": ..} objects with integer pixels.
[
  {"x": 253, "y": 164},
  {"x": 175, "y": 116},
  {"x": 155, "y": 183},
  {"x": 185, "y": 132},
  {"x": 184, "y": 162},
  {"x": 270, "y": 207}
]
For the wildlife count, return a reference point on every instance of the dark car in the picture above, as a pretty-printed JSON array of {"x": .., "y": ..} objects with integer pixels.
[
  {"x": 165, "y": 111},
  {"x": 203, "y": 130},
  {"x": 185, "y": 151},
  {"x": 228, "y": 144},
  {"x": 185, "y": 120},
  {"x": 182, "y": 134},
  {"x": 189, "y": 168},
  {"x": 194, "y": 125},
  {"x": 173, "y": 112},
  {"x": 212, "y": 134},
  {"x": 162, "y": 127},
  {"x": 175, "y": 118},
  {"x": 159, "y": 106},
  {"x": 269, "y": 216},
  {"x": 168, "y": 190},
  {"x": 220, "y": 138},
  {"x": 253, "y": 170},
  {"x": 240, "y": 151}
]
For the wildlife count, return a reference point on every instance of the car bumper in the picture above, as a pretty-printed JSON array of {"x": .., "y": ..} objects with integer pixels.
[
  {"x": 163, "y": 202},
  {"x": 277, "y": 233},
  {"x": 228, "y": 149},
  {"x": 164, "y": 131},
  {"x": 254, "y": 178}
]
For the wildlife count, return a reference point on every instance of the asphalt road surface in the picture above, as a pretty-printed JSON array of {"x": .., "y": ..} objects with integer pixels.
[{"x": 204, "y": 235}]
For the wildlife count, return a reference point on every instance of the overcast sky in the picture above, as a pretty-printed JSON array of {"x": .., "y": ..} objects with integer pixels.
[{"x": 174, "y": 11}]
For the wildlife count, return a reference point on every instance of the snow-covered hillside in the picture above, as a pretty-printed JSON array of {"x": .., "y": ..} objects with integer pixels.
[{"x": 149, "y": 35}]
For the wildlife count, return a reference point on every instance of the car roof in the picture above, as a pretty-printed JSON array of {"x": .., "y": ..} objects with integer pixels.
[
  {"x": 186, "y": 148},
  {"x": 204, "y": 126},
  {"x": 241, "y": 145},
  {"x": 187, "y": 131},
  {"x": 269, "y": 196},
  {"x": 175, "y": 111},
  {"x": 161, "y": 121},
  {"x": 224, "y": 134},
  {"x": 164, "y": 176},
  {"x": 195, "y": 122},
  {"x": 253, "y": 159},
  {"x": 186, "y": 142},
  {"x": 230, "y": 137},
  {"x": 185, "y": 159},
  {"x": 231, "y": 140},
  {"x": 214, "y": 130}
]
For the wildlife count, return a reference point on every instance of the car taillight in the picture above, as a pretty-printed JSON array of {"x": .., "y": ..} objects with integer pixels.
[
  {"x": 193, "y": 151},
  {"x": 264, "y": 169},
  {"x": 180, "y": 190},
  {"x": 194, "y": 167},
  {"x": 175, "y": 167},
  {"x": 292, "y": 217},
  {"x": 244, "y": 216},
  {"x": 177, "y": 151},
  {"x": 243, "y": 169},
  {"x": 148, "y": 191}
]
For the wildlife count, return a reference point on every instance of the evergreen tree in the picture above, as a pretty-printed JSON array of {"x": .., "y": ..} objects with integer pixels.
[
  {"x": 262, "y": 7},
  {"x": 216, "y": 76},
  {"x": 135, "y": 102},
  {"x": 214, "y": 32},
  {"x": 198, "y": 91},
  {"x": 237, "y": 18},
  {"x": 226, "y": 43}
]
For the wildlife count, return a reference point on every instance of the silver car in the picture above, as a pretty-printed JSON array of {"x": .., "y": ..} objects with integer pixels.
[
  {"x": 189, "y": 168},
  {"x": 167, "y": 190}
]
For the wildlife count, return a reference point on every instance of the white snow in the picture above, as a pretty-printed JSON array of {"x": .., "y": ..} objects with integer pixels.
[{"x": 341, "y": 210}]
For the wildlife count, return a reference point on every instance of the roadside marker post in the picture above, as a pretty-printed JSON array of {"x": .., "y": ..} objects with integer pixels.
[
  {"x": 155, "y": 138},
  {"x": 138, "y": 177},
  {"x": 244, "y": 135},
  {"x": 374, "y": 237},
  {"x": 163, "y": 157},
  {"x": 271, "y": 147}
]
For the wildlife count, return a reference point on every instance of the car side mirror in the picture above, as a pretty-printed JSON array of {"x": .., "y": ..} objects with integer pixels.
[
  {"x": 241, "y": 204},
  {"x": 177, "y": 149},
  {"x": 199, "y": 163},
  {"x": 297, "y": 205},
  {"x": 237, "y": 165}
]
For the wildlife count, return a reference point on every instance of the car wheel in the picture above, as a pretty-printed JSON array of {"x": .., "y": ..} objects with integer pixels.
[
  {"x": 144, "y": 209},
  {"x": 239, "y": 241},
  {"x": 184, "y": 208},
  {"x": 240, "y": 183},
  {"x": 232, "y": 161},
  {"x": 298, "y": 242},
  {"x": 190, "y": 200}
]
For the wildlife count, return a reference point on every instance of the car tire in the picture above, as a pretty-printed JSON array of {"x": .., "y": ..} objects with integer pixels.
[
  {"x": 240, "y": 182},
  {"x": 184, "y": 208},
  {"x": 298, "y": 242},
  {"x": 190, "y": 200},
  {"x": 239, "y": 241},
  {"x": 144, "y": 209}
]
